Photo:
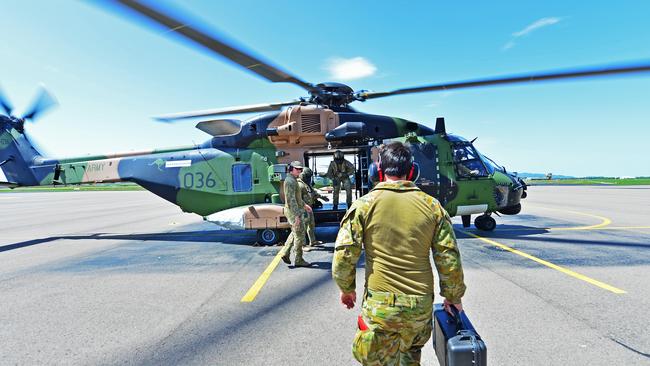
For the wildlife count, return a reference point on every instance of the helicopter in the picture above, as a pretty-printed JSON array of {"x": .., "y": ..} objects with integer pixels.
[{"x": 243, "y": 164}]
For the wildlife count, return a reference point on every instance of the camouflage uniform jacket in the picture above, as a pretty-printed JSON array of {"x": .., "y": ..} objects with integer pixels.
[
  {"x": 397, "y": 224},
  {"x": 340, "y": 171},
  {"x": 294, "y": 206},
  {"x": 308, "y": 193}
]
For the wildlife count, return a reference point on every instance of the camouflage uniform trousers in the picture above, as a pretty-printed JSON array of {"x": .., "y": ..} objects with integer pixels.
[
  {"x": 398, "y": 327},
  {"x": 296, "y": 239},
  {"x": 311, "y": 225},
  {"x": 347, "y": 185}
]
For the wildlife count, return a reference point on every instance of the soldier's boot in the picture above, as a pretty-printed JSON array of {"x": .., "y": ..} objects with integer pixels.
[
  {"x": 301, "y": 263},
  {"x": 286, "y": 249}
]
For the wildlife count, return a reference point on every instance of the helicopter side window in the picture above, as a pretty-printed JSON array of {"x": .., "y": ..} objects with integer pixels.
[
  {"x": 242, "y": 178},
  {"x": 467, "y": 162}
]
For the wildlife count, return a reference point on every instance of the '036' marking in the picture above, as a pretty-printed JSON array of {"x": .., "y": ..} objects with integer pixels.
[{"x": 198, "y": 180}]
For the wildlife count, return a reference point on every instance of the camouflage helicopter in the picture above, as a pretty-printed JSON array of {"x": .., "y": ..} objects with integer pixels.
[{"x": 242, "y": 166}]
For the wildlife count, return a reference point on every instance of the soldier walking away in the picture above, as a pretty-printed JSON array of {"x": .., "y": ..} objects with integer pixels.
[
  {"x": 339, "y": 172},
  {"x": 310, "y": 197},
  {"x": 398, "y": 225},
  {"x": 296, "y": 211}
]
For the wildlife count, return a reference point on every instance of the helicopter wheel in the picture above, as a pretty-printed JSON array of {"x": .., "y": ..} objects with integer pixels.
[
  {"x": 268, "y": 236},
  {"x": 485, "y": 223}
]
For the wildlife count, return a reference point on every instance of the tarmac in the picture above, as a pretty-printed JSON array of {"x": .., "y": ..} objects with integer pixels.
[{"x": 93, "y": 278}]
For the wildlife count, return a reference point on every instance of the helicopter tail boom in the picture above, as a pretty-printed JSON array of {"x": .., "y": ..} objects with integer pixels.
[{"x": 17, "y": 155}]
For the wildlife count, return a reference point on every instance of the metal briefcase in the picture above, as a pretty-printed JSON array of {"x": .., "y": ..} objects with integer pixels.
[{"x": 455, "y": 340}]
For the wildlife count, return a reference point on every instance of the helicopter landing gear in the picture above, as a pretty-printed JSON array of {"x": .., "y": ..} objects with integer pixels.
[
  {"x": 268, "y": 236},
  {"x": 485, "y": 222}
]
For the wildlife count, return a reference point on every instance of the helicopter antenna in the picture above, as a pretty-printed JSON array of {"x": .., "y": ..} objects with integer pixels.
[{"x": 440, "y": 126}]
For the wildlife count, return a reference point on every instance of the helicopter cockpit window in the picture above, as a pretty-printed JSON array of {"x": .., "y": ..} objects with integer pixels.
[
  {"x": 467, "y": 162},
  {"x": 491, "y": 165}
]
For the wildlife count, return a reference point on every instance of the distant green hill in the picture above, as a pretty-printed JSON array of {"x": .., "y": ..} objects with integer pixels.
[
  {"x": 592, "y": 181},
  {"x": 542, "y": 176}
]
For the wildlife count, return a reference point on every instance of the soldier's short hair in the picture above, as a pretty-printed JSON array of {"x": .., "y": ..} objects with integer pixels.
[{"x": 395, "y": 159}]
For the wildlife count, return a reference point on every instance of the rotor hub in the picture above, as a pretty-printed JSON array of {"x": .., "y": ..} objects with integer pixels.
[{"x": 332, "y": 94}]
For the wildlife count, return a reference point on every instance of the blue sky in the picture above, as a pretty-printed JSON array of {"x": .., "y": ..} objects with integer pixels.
[{"x": 111, "y": 74}]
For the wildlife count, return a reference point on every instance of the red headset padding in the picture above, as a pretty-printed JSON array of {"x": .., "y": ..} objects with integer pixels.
[{"x": 380, "y": 172}]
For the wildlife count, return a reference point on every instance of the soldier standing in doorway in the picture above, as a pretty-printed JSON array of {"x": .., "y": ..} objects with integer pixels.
[
  {"x": 339, "y": 172},
  {"x": 296, "y": 211}
]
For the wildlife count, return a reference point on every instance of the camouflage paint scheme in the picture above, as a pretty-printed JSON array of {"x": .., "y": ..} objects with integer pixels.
[{"x": 247, "y": 167}]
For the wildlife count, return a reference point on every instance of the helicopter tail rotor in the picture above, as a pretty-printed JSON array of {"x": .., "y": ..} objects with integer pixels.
[
  {"x": 4, "y": 103},
  {"x": 44, "y": 101}
]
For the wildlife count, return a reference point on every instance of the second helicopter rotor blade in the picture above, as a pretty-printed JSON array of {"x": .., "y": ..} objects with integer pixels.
[
  {"x": 42, "y": 103},
  {"x": 4, "y": 103},
  {"x": 266, "y": 107},
  {"x": 518, "y": 79},
  {"x": 216, "y": 44}
]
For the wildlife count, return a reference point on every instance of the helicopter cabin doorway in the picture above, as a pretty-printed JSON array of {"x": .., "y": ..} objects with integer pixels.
[{"x": 318, "y": 161}]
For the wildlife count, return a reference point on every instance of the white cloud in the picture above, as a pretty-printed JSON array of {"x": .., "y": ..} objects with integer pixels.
[
  {"x": 544, "y": 22},
  {"x": 350, "y": 69},
  {"x": 540, "y": 23}
]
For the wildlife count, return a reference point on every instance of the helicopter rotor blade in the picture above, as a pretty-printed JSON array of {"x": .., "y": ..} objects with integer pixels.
[
  {"x": 216, "y": 44},
  {"x": 42, "y": 103},
  {"x": 517, "y": 79},
  {"x": 4, "y": 103},
  {"x": 224, "y": 111}
]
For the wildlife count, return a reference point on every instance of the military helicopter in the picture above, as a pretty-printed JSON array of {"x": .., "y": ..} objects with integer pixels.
[{"x": 243, "y": 164}]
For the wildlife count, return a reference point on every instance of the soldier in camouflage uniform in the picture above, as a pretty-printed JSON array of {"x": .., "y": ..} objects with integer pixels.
[
  {"x": 398, "y": 225},
  {"x": 296, "y": 211},
  {"x": 310, "y": 197},
  {"x": 339, "y": 172}
]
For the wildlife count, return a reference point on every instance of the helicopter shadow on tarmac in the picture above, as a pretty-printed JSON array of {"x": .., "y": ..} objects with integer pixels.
[{"x": 232, "y": 237}]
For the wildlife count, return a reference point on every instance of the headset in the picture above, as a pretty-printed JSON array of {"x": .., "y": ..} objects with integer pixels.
[{"x": 377, "y": 174}]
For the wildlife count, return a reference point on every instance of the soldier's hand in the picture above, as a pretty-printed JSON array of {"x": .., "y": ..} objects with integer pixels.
[
  {"x": 447, "y": 305},
  {"x": 348, "y": 299},
  {"x": 308, "y": 208}
]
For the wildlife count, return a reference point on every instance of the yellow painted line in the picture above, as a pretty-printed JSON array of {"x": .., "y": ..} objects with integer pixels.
[
  {"x": 625, "y": 227},
  {"x": 261, "y": 280},
  {"x": 604, "y": 221},
  {"x": 549, "y": 264}
]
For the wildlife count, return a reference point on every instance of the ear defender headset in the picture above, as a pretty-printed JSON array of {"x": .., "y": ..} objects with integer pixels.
[{"x": 378, "y": 174}]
